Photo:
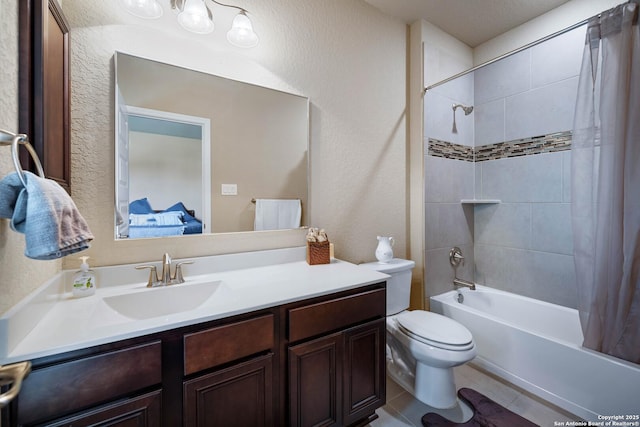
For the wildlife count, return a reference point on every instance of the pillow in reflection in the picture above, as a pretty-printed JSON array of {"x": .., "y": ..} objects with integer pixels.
[
  {"x": 192, "y": 224},
  {"x": 140, "y": 206}
]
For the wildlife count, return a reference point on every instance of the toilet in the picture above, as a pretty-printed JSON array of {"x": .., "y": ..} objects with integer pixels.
[{"x": 422, "y": 347}]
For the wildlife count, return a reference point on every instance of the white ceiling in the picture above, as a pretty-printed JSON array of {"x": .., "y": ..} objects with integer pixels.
[{"x": 471, "y": 21}]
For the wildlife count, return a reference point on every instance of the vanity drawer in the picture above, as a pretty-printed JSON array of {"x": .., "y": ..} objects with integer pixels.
[
  {"x": 212, "y": 347},
  {"x": 335, "y": 314},
  {"x": 81, "y": 383}
]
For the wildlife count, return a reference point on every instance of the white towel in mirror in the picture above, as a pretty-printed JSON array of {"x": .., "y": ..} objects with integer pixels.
[{"x": 277, "y": 214}]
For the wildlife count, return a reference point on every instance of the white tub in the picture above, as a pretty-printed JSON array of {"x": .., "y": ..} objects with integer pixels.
[{"x": 538, "y": 347}]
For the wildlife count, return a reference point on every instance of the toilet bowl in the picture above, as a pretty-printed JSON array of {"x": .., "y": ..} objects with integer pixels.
[
  {"x": 437, "y": 344},
  {"x": 422, "y": 347}
]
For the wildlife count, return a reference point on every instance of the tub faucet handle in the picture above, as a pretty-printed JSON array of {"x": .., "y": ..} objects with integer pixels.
[{"x": 455, "y": 257}]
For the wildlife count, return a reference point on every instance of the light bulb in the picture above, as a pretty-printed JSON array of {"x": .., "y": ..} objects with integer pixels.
[
  {"x": 147, "y": 9},
  {"x": 241, "y": 33},
  {"x": 195, "y": 17}
]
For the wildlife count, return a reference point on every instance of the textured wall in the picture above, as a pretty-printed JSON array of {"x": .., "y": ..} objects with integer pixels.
[
  {"x": 346, "y": 56},
  {"x": 20, "y": 275}
]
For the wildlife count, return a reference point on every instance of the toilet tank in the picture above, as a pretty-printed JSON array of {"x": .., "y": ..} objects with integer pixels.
[{"x": 398, "y": 285}]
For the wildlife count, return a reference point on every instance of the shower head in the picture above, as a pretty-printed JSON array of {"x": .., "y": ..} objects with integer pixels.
[{"x": 467, "y": 110}]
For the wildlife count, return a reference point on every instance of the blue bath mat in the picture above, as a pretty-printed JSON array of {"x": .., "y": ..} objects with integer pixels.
[{"x": 486, "y": 413}]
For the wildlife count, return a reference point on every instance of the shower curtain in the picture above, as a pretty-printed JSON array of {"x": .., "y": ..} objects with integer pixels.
[{"x": 605, "y": 186}]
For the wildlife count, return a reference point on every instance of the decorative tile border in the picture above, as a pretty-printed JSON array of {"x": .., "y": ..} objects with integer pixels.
[
  {"x": 450, "y": 150},
  {"x": 551, "y": 143},
  {"x": 554, "y": 142}
]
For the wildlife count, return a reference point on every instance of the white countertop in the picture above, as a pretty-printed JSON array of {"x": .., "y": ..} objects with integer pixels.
[{"x": 64, "y": 323}]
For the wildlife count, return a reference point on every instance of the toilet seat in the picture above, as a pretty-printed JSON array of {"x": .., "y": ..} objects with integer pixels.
[{"x": 435, "y": 330}]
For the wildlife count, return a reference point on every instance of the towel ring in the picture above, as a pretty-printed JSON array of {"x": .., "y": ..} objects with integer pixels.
[{"x": 9, "y": 138}]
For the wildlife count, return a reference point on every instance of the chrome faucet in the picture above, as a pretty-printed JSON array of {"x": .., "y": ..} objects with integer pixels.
[
  {"x": 456, "y": 258},
  {"x": 166, "y": 278},
  {"x": 462, "y": 282},
  {"x": 166, "y": 269}
]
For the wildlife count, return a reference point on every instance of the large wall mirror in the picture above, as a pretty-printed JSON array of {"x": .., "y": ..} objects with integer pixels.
[{"x": 198, "y": 153}]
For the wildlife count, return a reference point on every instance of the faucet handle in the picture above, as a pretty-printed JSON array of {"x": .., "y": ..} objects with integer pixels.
[
  {"x": 455, "y": 257},
  {"x": 153, "y": 274},
  {"x": 178, "y": 277}
]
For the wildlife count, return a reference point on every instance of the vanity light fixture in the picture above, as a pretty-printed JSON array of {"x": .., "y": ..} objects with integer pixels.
[
  {"x": 147, "y": 9},
  {"x": 241, "y": 33},
  {"x": 195, "y": 16}
]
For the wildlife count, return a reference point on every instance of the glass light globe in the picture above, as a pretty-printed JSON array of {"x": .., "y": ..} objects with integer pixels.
[
  {"x": 195, "y": 17},
  {"x": 147, "y": 9},
  {"x": 241, "y": 33}
]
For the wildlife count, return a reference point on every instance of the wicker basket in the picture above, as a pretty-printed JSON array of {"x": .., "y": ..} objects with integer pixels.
[{"x": 318, "y": 253}]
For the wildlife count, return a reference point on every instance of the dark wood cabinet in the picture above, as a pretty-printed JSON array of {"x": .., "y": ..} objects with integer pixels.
[
  {"x": 44, "y": 87},
  {"x": 364, "y": 373},
  {"x": 217, "y": 373},
  {"x": 337, "y": 379},
  {"x": 88, "y": 382},
  {"x": 237, "y": 392},
  {"x": 241, "y": 395},
  {"x": 315, "y": 382},
  {"x": 141, "y": 411},
  {"x": 216, "y": 346},
  {"x": 240, "y": 371}
]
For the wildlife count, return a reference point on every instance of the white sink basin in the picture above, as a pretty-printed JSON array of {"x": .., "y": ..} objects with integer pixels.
[{"x": 165, "y": 300}]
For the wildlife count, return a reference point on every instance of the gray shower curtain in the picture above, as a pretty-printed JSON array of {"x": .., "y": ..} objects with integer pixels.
[{"x": 606, "y": 184}]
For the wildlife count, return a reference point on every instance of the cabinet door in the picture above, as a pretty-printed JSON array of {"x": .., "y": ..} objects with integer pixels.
[
  {"x": 143, "y": 411},
  {"x": 315, "y": 382},
  {"x": 44, "y": 87},
  {"x": 241, "y": 395},
  {"x": 364, "y": 370}
]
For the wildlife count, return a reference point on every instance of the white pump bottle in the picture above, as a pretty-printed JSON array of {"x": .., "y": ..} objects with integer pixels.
[{"x": 84, "y": 281}]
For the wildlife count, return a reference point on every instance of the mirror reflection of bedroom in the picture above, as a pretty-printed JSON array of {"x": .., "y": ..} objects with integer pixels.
[
  {"x": 198, "y": 153},
  {"x": 171, "y": 203}
]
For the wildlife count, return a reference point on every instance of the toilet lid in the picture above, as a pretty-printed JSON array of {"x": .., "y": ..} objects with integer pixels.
[{"x": 435, "y": 329}]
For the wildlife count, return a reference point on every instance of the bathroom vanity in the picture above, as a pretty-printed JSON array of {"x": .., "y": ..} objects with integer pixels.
[{"x": 306, "y": 354}]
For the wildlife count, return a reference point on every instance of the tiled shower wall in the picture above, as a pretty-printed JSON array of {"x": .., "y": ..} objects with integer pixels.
[
  {"x": 523, "y": 244},
  {"x": 447, "y": 181}
]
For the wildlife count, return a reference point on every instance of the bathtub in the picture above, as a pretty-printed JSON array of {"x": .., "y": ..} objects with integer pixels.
[{"x": 538, "y": 346}]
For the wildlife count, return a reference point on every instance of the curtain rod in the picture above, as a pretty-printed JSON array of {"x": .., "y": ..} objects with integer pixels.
[
  {"x": 520, "y": 49},
  {"x": 512, "y": 52},
  {"x": 504, "y": 55}
]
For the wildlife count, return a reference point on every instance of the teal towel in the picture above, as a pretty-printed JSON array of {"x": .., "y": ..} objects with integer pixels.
[{"x": 47, "y": 216}]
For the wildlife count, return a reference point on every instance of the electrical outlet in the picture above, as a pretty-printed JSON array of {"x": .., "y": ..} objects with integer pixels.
[{"x": 229, "y": 189}]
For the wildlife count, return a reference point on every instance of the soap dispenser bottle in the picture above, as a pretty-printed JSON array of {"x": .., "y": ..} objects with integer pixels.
[{"x": 84, "y": 281}]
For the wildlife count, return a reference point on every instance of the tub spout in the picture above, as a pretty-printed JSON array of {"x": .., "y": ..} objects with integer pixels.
[{"x": 462, "y": 282}]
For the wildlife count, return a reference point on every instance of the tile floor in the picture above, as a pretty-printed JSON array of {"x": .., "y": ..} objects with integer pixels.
[{"x": 402, "y": 410}]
